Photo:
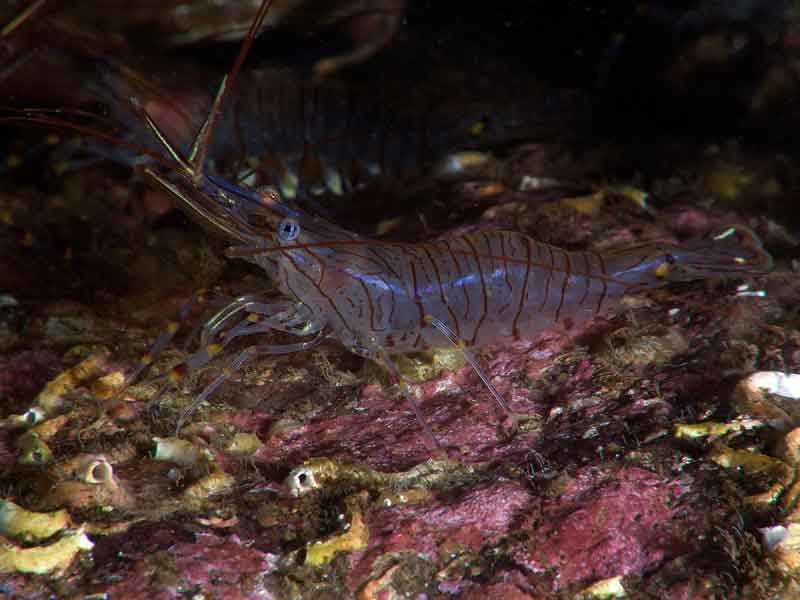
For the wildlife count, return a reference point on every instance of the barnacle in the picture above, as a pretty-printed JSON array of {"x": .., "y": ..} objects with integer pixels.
[
  {"x": 755, "y": 464},
  {"x": 46, "y": 430},
  {"x": 715, "y": 430},
  {"x": 51, "y": 398},
  {"x": 181, "y": 452},
  {"x": 590, "y": 204},
  {"x": 97, "y": 472},
  {"x": 319, "y": 473},
  {"x": 422, "y": 366},
  {"x": 28, "y": 526},
  {"x": 355, "y": 537},
  {"x": 91, "y": 468},
  {"x": 243, "y": 444},
  {"x": 33, "y": 450},
  {"x": 29, "y": 418},
  {"x": 196, "y": 495},
  {"x": 603, "y": 590},
  {"x": 89, "y": 482},
  {"x": 753, "y": 395},
  {"x": 105, "y": 387},
  {"x": 42, "y": 560}
]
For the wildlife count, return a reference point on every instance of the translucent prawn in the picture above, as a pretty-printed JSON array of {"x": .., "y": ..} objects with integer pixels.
[{"x": 379, "y": 299}]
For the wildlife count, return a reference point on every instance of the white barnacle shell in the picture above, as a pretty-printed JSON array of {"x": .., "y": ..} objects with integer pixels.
[
  {"x": 97, "y": 472},
  {"x": 33, "y": 450},
  {"x": 760, "y": 395},
  {"x": 302, "y": 480}
]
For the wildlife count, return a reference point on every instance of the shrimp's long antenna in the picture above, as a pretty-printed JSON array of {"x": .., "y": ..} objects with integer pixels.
[
  {"x": 20, "y": 18},
  {"x": 197, "y": 154},
  {"x": 194, "y": 165}
]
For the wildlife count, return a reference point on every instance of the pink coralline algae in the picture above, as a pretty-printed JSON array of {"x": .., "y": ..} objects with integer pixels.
[
  {"x": 609, "y": 523},
  {"x": 217, "y": 564}
]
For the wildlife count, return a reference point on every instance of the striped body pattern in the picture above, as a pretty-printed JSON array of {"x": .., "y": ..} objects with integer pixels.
[{"x": 490, "y": 287}]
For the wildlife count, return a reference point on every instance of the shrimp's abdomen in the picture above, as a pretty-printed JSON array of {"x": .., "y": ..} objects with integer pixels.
[
  {"x": 503, "y": 286},
  {"x": 499, "y": 286}
]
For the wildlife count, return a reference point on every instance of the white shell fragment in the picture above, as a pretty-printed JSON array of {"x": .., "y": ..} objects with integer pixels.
[
  {"x": 530, "y": 183},
  {"x": 744, "y": 290},
  {"x": 775, "y": 382}
]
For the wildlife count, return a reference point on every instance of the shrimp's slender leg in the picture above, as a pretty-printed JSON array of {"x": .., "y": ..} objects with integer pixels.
[
  {"x": 166, "y": 337},
  {"x": 459, "y": 344},
  {"x": 396, "y": 378},
  {"x": 212, "y": 326},
  {"x": 21, "y": 17},
  {"x": 261, "y": 318},
  {"x": 236, "y": 363}
]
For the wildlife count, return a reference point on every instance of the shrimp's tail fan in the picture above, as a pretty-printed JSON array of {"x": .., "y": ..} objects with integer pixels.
[{"x": 734, "y": 252}]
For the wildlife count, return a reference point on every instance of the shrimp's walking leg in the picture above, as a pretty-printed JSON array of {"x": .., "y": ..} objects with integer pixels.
[
  {"x": 276, "y": 313},
  {"x": 396, "y": 378},
  {"x": 166, "y": 337},
  {"x": 236, "y": 363},
  {"x": 461, "y": 347},
  {"x": 290, "y": 317},
  {"x": 261, "y": 317}
]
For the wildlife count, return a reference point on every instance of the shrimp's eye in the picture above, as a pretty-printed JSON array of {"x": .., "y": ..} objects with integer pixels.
[
  {"x": 288, "y": 230},
  {"x": 669, "y": 258}
]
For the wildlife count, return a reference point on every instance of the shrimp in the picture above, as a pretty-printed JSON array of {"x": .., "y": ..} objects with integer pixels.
[
  {"x": 383, "y": 298},
  {"x": 379, "y": 299}
]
